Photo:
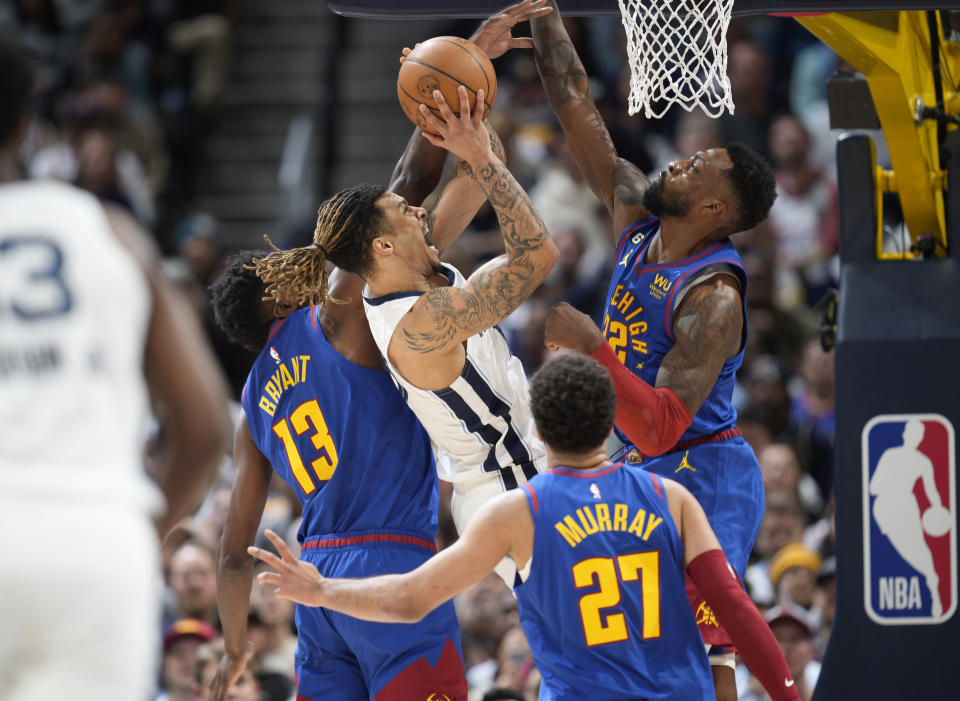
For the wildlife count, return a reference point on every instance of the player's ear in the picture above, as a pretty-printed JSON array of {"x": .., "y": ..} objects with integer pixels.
[
  {"x": 383, "y": 246},
  {"x": 714, "y": 207}
]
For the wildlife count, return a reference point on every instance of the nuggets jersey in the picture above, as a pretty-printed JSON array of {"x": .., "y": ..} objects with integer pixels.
[
  {"x": 481, "y": 424},
  {"x": 74, "y": 312},
  {"x": 340, "y": 435},
  {"x": 604, "y": 607},
  {"x": 638, "y": 318}
]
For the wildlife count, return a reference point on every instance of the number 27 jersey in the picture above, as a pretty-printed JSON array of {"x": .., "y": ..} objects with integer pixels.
[{"x": 604, "y": 606}]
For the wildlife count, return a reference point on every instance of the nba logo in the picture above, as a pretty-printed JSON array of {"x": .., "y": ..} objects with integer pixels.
[{"x": 909, "y": 519}]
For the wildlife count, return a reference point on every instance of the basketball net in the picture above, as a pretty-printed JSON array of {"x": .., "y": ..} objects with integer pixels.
[{"x": 678, "y": 55}]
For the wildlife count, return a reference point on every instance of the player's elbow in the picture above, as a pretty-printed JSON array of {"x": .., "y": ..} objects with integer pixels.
[
  {"x": 408, "y": 604},
  {"x": 547, "y": 258}
]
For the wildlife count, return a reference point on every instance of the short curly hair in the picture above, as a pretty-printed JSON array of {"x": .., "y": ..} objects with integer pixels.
[
  {"x": 236, "y": 299},
  {"x": 751, "y": 179},
  {"x": 573, "y": 403}
]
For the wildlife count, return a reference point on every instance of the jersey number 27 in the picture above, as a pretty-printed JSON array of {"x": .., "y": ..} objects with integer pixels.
[{"x": 602, "y": 571}]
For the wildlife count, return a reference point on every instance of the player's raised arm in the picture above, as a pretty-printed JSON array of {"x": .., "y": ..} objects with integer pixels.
[
  {"x": 617, "y": 182},
  {"x": 447, "y": 316}
]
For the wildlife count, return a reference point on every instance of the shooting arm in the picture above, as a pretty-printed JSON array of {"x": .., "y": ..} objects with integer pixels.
[
  {"x": 460, "y": 199},
  {"x": 234, "y": 565},
  {"x": 447, "y": 316},
  {"x": 617, "y": 182}
]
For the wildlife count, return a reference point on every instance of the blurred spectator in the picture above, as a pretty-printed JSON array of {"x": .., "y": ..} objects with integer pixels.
[
  {"x": 486, "y": 611},
  {"x": 193, "y": 579},
  {"x": 750, "y": 85},
  {"x": 782, "y": 472},
  {"x": 766, "y": 390},
  {"x": 181, "y": 641},
  {"x": 201, "y": 31},
  {"x": 782, "y": 524},
  {"x": 272, "y": 631},
  {"x": 514, "y": 661},
  {"x": 793, "y": 573},
  {"x": 804, "y": 218},
  {"x": 796, "y": 641},
  {"x": 825, "y": 600},
  {"x": 246, "y": 688},
  {"x": 813, "y": 414}
]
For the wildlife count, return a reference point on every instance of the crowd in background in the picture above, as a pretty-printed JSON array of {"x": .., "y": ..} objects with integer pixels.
[{"x": 128, "y": 91}]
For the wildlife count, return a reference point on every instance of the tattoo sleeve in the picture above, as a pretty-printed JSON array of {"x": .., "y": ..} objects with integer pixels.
[
  {"x": 708, "y": 328},
  {"x": 451, "y": 315}
]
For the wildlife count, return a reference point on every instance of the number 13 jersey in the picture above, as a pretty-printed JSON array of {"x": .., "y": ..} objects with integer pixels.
[
  {"x": 604, "y": 605},
  {"x": 340, "y": 435}
]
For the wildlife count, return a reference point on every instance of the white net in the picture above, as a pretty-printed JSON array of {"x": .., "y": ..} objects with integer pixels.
[{"x": 678, "y": 55}]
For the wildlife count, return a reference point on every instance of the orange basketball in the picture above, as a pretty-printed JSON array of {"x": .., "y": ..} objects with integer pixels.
[{"x": 444, "y": 63}]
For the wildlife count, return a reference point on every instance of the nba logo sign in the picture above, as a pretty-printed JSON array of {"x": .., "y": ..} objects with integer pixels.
[{"x": 909, "y": 519}]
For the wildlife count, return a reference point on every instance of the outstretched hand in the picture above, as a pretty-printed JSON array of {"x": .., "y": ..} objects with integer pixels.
[
  {"x": 494, "y": 36},
  {"x": 463, "y": 135},
  {"x": 228, "y": 671},
  {"x": 294, "y": 579},
  {"x": 570, "y": 328}
]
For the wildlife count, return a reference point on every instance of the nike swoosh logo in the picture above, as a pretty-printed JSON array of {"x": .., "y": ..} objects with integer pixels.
[{"x": 788, "y": 682}]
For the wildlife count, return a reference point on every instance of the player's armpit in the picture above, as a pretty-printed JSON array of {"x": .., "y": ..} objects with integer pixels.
[{"x": 708, "y": 328}]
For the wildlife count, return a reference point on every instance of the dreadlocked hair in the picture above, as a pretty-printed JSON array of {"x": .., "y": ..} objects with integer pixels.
[
  {"x": 347, "y": 223},
  {"x": 236, "y": 299}
]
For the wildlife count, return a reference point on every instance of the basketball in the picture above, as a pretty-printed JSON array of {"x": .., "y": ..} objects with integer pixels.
[
  {"x": 936, "y": 521},
  {"x": 444, "y": 63}
]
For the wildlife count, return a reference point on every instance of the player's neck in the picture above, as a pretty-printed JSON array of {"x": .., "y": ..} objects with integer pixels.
[
  {"x": 680, "y": 238},
  {"x": 592, "y": 460},
  {"x": 393, "y": 281}
]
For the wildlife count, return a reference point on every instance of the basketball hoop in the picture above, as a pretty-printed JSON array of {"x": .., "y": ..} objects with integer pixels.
[{"x": 678, "y": 55}]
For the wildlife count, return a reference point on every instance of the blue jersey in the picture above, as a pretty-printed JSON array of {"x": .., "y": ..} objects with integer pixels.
[
  {"x": 340, "y": 435},
  {"x": 638, "y": 318},
  {"x": 604, "y": 606}
]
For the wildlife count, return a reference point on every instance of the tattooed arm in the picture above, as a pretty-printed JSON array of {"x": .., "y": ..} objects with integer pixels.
[
  {"x": 618, "y": 183},
  {"x": 709, "y": 329},
  {"x": 418, "y": 171},
  {"x": 444, "y": 317},
  {"x": 460, "y": 199}
]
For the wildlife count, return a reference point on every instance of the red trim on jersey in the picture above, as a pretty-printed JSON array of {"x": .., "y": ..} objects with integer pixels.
[
  {"x": 301, "y": 697},
  {"x": 678, "y": 263},
  {"x": 243, "y": 393},
  {"x": 313, "y": 316},
  {"x": 676, "y": 287},
  {"x": 275, "y": 328},
  {"x": 656, "y": 484},
  {"x": 370, "y": 538},
  {"x": 580, "y": 474},
  {"x": 533, "y": 496}
]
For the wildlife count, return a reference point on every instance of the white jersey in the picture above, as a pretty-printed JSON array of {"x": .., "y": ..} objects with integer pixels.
[
  {"x": 74, "y": 310},
  {"x": 481, "y": 424}
]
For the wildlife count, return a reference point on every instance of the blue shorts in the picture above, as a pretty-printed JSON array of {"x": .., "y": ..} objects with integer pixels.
[
  {"x": 725, "y": 478},
  {"x": 340, "y": 658}
]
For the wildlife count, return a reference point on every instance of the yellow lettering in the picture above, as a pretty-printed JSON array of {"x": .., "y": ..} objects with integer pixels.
[
  {"x": 651, "y": 524},
  {"x": 616, "y": 293},
  {"x": 273, "y": 390},
  {"x": 638, "y": 328},
  {"x": 633, "y": 314},
  {"x": 590, "y": 527},
  {"x": 662, "y": 282},
  {"x": 303, "y": 370},
  {"x": 296, "y": 371},
  {"x": 625, "y": 302},
  {"x": 267, "y": 405},
  {"x": 638, "y": 345},
  {"x": 603, "y": 517},
  {"x": 571, "y": 532},
  {"x": 620, "y": 512},
  {"x": 285, "y": 374},
  {"x": 636, "y": 526}
]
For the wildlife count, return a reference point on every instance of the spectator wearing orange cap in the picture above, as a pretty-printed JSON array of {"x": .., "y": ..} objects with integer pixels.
[{"x": 793, "y": 573}]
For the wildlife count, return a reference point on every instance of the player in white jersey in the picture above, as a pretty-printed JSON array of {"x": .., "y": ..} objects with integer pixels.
[
  {"x": 437, "y": 330},
  {"x": 84, "y": 321}
]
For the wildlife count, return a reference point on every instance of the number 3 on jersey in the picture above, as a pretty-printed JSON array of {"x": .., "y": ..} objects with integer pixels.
[
  {"x": 301, "y": 419},
  {"x": 602, "y": 572}
]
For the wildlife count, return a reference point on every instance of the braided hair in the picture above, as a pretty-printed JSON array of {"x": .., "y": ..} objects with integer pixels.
[{"x": 347, "y": 223}]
